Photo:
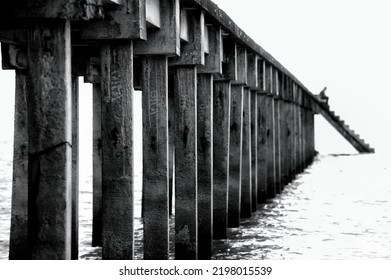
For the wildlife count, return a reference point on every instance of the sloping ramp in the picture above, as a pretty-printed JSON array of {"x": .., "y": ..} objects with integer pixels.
[{"x": 349, "y": 134}]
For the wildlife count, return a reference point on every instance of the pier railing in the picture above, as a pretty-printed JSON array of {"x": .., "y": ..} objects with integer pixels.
[{"x": 237, "y": 124}]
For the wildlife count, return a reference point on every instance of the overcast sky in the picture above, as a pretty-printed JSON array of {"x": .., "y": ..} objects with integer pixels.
[{"x": 342, "y": 44}]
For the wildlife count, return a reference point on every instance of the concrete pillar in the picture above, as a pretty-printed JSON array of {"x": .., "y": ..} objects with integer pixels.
[
  {"x": 295, "y": 131},
  {"x": 246, "y": 188},
  {"x": 306, "y": 141},
  {"x": 117, "y": 151},
  {"x": 19, "y": 248},
  {"x": 171, "y": 150},
  {"x": 185, "y": 84},
  {"x": 50, "y": 140},
  {"x": 254, "y": 149},
  {"x": 270, "y": 151},
  {"x": 236, "y": 122},
  {"x": 262, "y": 149},
  {"x": 305, "y": 115},
  {"x": 155, "y": 157},
  {"x": 186, "y": 220},
  {"x": 277, "y": 134},
  {"x": 312, "y": 123},
  {"x": 298, "y": 140},
  {"x": 284, "y": 143},
  {"x": 277, "y": 141},
  {"x": 291, "y": 139},
  {"x": 283, "y": 131},
  {"x": 97, "y": 165},
  {"x": 213, "y": 121},
  {"x": 205, "y": 165},
  {"x": 75, "y": 168},
  {"x": 302, "y": 132},
  {"x": 270, "y": 133},
  {"x": 164, "y": 40},
  {"x": 221, "y": 147}
]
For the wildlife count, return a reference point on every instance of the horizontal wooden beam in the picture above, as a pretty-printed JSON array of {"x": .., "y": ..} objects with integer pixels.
[
  {"x": 120, "y": 22},
  {"x": 241, "y": 65},
  {"x": 233, "y": 29},
  {"x": 13, "y": 57},
  {"x": 165, "y": 40},
  {"x": 15, "y": 37},
  {"x": 65, "y": 9},
  {"x": 252, "y": 70},
  {"x": 214, "y": 57},
  {"x": 229, "y": 60},
  {"x": 192, "y": 52},
  {"x": 261, "y": 74}
]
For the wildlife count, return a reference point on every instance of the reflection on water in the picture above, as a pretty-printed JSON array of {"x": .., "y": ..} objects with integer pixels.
[{"x": 339, "y": 208}]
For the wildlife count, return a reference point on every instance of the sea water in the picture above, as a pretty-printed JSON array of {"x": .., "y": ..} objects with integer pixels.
[{"x": 339, "y": 208}]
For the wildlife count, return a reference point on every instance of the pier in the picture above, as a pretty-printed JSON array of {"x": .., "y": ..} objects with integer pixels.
[{"x": 220, "y": 115}]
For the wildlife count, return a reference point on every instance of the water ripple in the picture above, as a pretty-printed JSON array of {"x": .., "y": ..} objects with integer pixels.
[{"x": 338, "y": 209}]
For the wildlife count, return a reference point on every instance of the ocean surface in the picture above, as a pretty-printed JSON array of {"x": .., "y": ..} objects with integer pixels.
[{"x": 339, "y": 208}]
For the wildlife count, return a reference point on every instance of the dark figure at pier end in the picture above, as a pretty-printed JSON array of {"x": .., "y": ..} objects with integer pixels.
[{"x": 323, "y": 97}]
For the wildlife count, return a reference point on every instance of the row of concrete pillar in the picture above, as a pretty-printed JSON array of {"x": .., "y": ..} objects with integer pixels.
[{"x": 231, "y": 126}]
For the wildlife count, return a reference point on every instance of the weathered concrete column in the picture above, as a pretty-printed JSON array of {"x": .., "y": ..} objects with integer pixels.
[
  {"x": 19, "y": 248},
  {"x": 298, "y": 140},
  {"x": 310, "y": 135},
  {"x": 309, "y": 158},
  {"x": 292, "y": 125},
  {"x": 262, "y": 149},
  {"x": 312, "y": 132},
  {"x": 284, "y": 152},
  {"x": 75, "y": 168},
  {"x": 50, "y": 140},
  {"x": 246, "y": 188},
  {"x": 270, "y": 134},
  {"x": 186, "y": 139},
  {"x": 226, "y": 88},
  {"x": 221, "y": 151},
  {"x": 97, "y": 165},
  {"x": 261, "y": 129},
  {"x": 277, "y": 130},
  {"x": 295, "y": 131},
  {"x": 285, "y": 134},
  {"x": 301, "y": 134},
  {"x": 212, "y": 160},
  {"x": 171, "y": 150},
  {"x": 290, "y": 141},
  {"x": 117, "y": 150},
  {"x": 163, "y": 22},
  {"x": 277, "y": 141},
  {"x": 305, "y": 142},
  {"x": 306, "y": 135},
  {"x": 254, "y": 148},
  {"x": 155, "y": 157},
  {"x": 205, "y": 165},
  {"x": 186, "y": 218},
  {"x": 270, "y": 155},
  {"x": 253, "y": 84},
  {"x": 236, "y": 121}
]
